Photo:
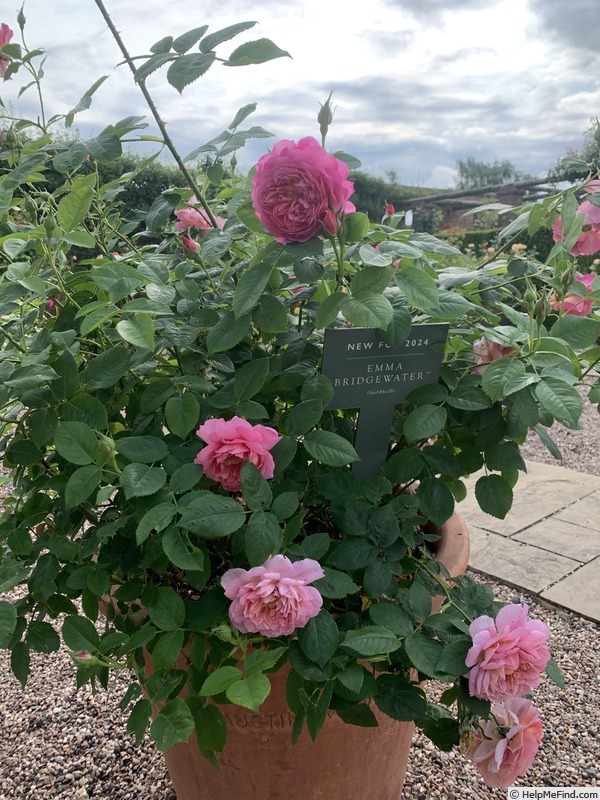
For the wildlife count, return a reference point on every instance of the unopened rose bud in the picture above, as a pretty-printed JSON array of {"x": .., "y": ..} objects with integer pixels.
[
  {"x": 325, "y": 118},
  {"x": 85, "y": 660},
  {"x": 106, "y": 445},
  {"x": 542, "y": 309},
  {"x": 330, "y": 222},
  {"x": 189, "y": 244},
  {"x": 568, "y": 277},
  {"x": 21, "y": 19},
  {"x": 390, "y": 210},
  {"x": 49, "y": 223}
]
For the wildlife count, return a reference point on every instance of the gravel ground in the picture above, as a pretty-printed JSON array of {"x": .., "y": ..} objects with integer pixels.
[{"x": 58, "y": 742}]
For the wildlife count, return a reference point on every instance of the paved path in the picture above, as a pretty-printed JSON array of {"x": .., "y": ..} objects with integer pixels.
[{"x": 549, "y": 542}]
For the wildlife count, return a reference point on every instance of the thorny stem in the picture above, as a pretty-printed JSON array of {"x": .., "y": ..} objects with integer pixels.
[{"x": 151, "y": 105}]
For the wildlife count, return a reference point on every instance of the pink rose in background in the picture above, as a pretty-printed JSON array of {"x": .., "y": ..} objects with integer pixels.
[
  {"x": 5, "y": 36},
  {"x": 574, "y": 303},
  {"x": 390, "y": 210},
  {"x": 508, "y": 654},
  {"x": 274, "y": 599},
  {"x": 506, "y": 748},
  {"x": 229, "y": 444},
  {"x": 588, "y": 242},
  {"x": 298, "y": 187},
  {"x": 192, "y": 218},
  {"x": 486, "y": 351}
]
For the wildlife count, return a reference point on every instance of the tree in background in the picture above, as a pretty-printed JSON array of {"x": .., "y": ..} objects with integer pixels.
[
  {"x": 578, "y": 164},
  {"x": 473, "y": 174}
]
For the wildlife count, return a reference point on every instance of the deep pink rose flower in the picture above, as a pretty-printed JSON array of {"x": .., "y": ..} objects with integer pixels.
[
  {"x": 575, "y": 303},
  {"x": 194, "y": 218},
  {"x": 508, "y": 654},
  {"x": 274, "y": 599},
  {"x": 5, "y": 37},
  {"x": 229, "y": 444},
  {"x": 502, "y": 754},
  {"x": 486, "y": 351},
  {"x": 298, "y": 187}
]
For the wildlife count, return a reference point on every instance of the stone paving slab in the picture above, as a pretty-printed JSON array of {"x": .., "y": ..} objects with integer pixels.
[
  {"x": 578, "y": 592},
  {"x": 585, "y": 512},
  {"x": 541, "y": 492},
  {"x": 517, "y": 563},
  {"x": 562, "y": 537}
]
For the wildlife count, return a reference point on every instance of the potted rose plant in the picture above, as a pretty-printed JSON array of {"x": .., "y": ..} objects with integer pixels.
[{"x": 183, "y": 502}]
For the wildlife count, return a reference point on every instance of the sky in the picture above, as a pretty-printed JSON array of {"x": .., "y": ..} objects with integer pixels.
[{"x": 417, "y": 84}]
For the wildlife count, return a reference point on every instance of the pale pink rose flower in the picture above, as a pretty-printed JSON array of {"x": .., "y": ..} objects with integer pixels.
[
  {"x": 274, "y": 599},
  {"x": 229, "y": 444},
  {"x": 6, "y": 35},
  {"x": 575, "y": 303},
  {"x": 193, "y": 218},
  {"x": 505, "y": 747},
  {"x": 296, "y": 185},
  {"x": 588, "y": 241},
  {"x": 486, "y": 351},
  {"x": 508, "y": 654}
]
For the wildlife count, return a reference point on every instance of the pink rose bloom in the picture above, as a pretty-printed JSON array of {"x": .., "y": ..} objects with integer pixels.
[
  {"x": 504, "y": 750},
  {"x": 297, "y": 188},
  {"x": 274, "y": 599},
  {"x": 229, "y": 444},
  {"x": 508, "y": 654},
  {"x": 194, "y": 218},
  {"x": 588, "y": 242},
  {"x": 486, "y": 351},
  {"x": 575, "y": 303},
  {"x": 5, "y": 37}
]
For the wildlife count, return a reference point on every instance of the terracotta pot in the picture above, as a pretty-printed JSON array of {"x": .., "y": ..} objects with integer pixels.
[{"x": 345, "y": 763}]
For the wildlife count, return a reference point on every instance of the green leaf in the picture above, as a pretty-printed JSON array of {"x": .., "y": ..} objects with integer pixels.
[
  {"x": 424, "y": 422},
  {"x": 22, "y": 452},
  {"x": 87, "y": 409},
  {"x": 494, "y": 495},
  {"x": 319, "y": 638},
  {"x": 173, "y": 724},
  {"x": 106, "y": 369},
  {"x": 218, "y": 37},
  {"x": 250, "y": 378},
  {"x": 250, "y": 287},
  {"x": 262, "y": 660},
  {"x": 329, "y": 309},
  {"x": 167, "y": 649},
  {"x": 399, "y": 699},
  {"x": 155, "y": 519},
  {"x": 270, "y": 315},
  {"x": 247, "y": 216},
  {"x": 138, "y": 719},
  {"x": 452, "y": 658},
  {"x": 418, "y": 287},
  {"x": 303, "y": 417},
  {"x": 424, "y": 653},
  {"x": 163, "y": 45},
  {"x": 67, "y": 382},
  {"x": 8, "y": 622},
  {"x": 561, "y": 399},
  {"x": 166, "y": 609},
  {"x": 76, "y": 442},
  {"x": 577, "y": 332},
  {"x": 404, "y": 465},
  {"x": 250, "y": 692},
  {"x": 31, "y": 377},
  {"x": 144, "y": 449},
  {"x": 212, "y": 516},
  {"x": 263, "y": 537},
  {"x": 497, "y": 374},
  {"x": 182, "y": 413},
  {"x": 42, "y": 637},
  {"x": 552, "y": 670},
  {"x": 392, "y": 617},
  {"x": 371, "y": 279},
  {"x": 335, "y": 585},
  {"x": 256, "y": 52},
  {"x": 188, "y": 39},
  {"x": 220, "y": 680},
  {"x": 356, "y": 227},
  {"x": 228, "y": 332},
  {"x": 370, "y": 256},
  {"x": 19, "y": 662},
  {"x": 548, "y": 441},
  {"x": 186, "y": 69},
  {"x": 185, "y": 477},
  {"x": 138, "y": 331},
  {"x": 370, "y": 640},
  {"x": 360, "y": 714},
  {"x": 74, "y": 206},
  {"x": 181, "y": 552},
  {"x": 436, "y": 500},
  {"x": 256, "y": 491},
  {"x": 329, "y": 448},
  {"x": 241, "y": 115},
  {"x": 368, "y": 310},
  {"x": 139, "y": 480},
  {"x": 80, "y": 635},
  {"x": 105, "y": 147},
  {"x": 81, "y": 484}
]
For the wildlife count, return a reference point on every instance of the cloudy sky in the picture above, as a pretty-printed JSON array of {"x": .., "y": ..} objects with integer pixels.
[{"x": 418, "y": 84}]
